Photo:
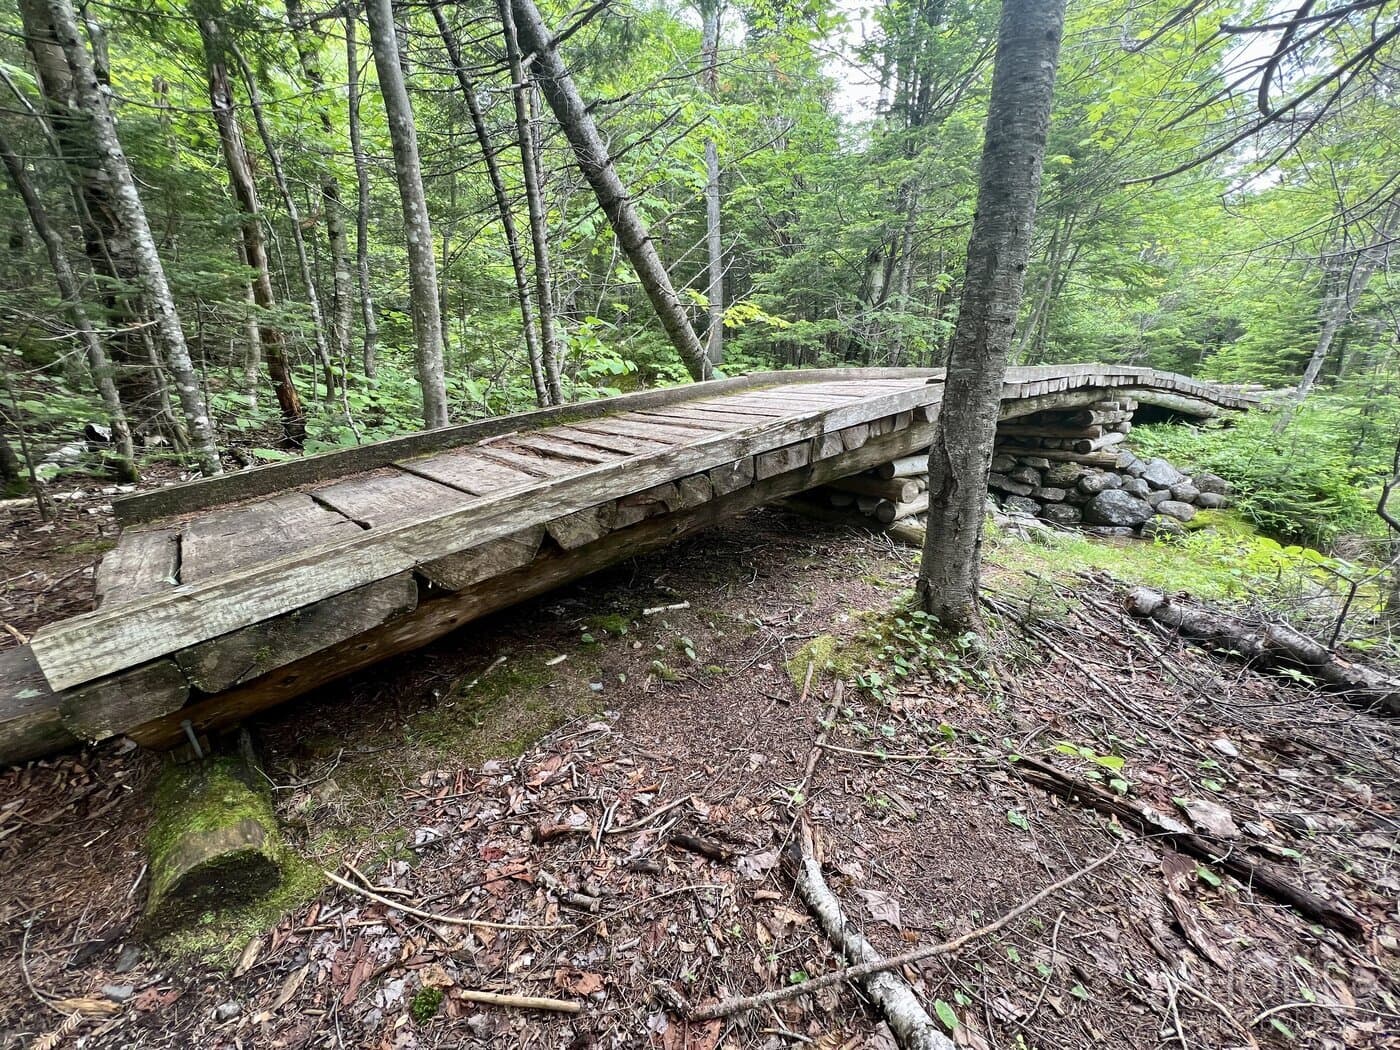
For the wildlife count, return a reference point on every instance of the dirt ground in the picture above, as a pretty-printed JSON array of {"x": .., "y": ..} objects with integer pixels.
[{"x": 618, "y": 815}]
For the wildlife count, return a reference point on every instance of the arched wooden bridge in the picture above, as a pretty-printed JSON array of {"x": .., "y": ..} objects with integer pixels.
[{"x": 228, "y": 595}]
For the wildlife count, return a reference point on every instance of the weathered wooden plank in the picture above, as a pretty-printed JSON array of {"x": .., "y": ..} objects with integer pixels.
[
  {"x": 110, "y": 706},
  {"x": 782, "y": 460},
  {"x": 698, "y": 419},
  {"x": 731, "y": 407},
  {"x": 389, "y": 497},
  {"x": 226, "y": 661},
  {"x": 470, "y": 472},
  {"x": 144, "y": 561},
  {"x": 235, "y": 538},
  {"x": 31, "y": 724},
  {"x": 541, "y": 466},
  {"x": 549, "y": 443},
  {"x": 456, "y": 571},
  {"x": 631, "y": 446},
  {"x": 646, "y": 431},
  {"x": 729, "y": 477},
  {"x": 649, "y": 503}
]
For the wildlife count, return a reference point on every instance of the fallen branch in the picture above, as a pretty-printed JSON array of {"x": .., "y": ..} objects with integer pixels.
[
  {"x": 1148, "y": 822},
  {"x": 522, "y": 1002},
  {"x": 573, "y": 898},
  {"x": 865, "y": 969},
  {"x": 407, "y": 909},
  {"x": 1271, "y": 645}
]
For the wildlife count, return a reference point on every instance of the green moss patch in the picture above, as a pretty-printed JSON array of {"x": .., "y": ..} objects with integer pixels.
[{"x": 822, "y": 652}]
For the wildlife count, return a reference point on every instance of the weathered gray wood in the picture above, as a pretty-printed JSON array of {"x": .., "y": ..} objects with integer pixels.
[
  {"x": 224, "y": 541},
  {"x": 98, "y": 710},
  {"x": 144, "y": 561},
  {"x": 782, "y": 460},
  {"x": 728, "y": 477},
  {"x": 223, "y": 662},
  {"x": 574, "y": 530},
  {"x": 390, "y": 496},
  {"x": 632, "y": 429},
  {"x": 31, "y": 724},
  {"x": 905, "y": 467},
  {"x": 457, "y": 571},
  {"x": 470, "y": 472},
  {"x": 897, "y": 490},
  {"x": 610, "y": 442},
  {"x": 559, "y": 447},
  {"x": 539, "y": 465}
]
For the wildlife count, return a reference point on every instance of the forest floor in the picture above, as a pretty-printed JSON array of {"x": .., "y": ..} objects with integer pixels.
[{"x": 641, "y": 739}]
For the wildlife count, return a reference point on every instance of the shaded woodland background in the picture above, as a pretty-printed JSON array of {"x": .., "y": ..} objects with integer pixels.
[{"x": 806, "y": 171}]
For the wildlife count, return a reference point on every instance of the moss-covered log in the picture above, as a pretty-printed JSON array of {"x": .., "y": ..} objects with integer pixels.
[{"x": 214, "y": 843}]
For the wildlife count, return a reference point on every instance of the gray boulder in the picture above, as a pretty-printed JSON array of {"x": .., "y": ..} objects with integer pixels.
[
  {"x": 1158, "y": 496},
  {"x": 1076, "y": 497},
  {"x": 1093, "y": 484},
  {"x": 1165, "y": 528},
  {"x": 1208, "y": 482},
  {"x": 1160, "y": 474},
  {"x": 1002, "y": 483},
  {"x": 1176, "y": 509},
  {"x": 1020, "y": 505},
  {"x": 1137, "y": 487},
  {"x": 1211, "y": 501},
  {"x": 1026, "y": 475},
  {"x": 1049, "y": 494},
  {"x": 1126, "y": 460},
  {"x": 1136, "y": 469},
  {"x": 1065, "y": 475},
  {"x": 1038, "y": 462},
  {"x": 1001, "y": 463},
  {"x": 1117, "y": 508},
  {"x": 1111, "y": 530},
  {"x": 1185, "y": 492},
  {"x": 1061, "y": 514}
]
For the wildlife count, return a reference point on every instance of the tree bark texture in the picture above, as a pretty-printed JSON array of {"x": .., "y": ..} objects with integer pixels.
[
  {"x": 714, "y": 243},
  {"x": 67, "y": 283},
  {"x": 245, "y": 196},
  {"x": 370, "y": 347},
  {"x": 521, "y": 88},
  {"x": 106, "y": 242},
  {"x": 503, "y": 208},
  {"x": 90, "y": 99},
  {"x": 418, "y": 232},
  {"x": 597, "y": 167},
  {"x": 1018, "y": 122}
]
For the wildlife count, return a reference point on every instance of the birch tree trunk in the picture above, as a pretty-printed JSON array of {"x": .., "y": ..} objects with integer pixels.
[
  {"x": 90, "y": 99},
  {"x": 369, "y": 350},
  {"x": 710, "y": 11},
  {"x": 106, "y": 242},
  {"x": 596, "y": 165},
  {"x": 1018, "y": 121},
  {"x": 245, "y": 196},
  {"x": 331, "y": 202},
  {"x": 418, "y": 233},
  {"x": 503, "y": 208},
  {"x": 534, "y": 201},
  {"x": 67, "y": 283},
  {"x": 284, "y": 190}
]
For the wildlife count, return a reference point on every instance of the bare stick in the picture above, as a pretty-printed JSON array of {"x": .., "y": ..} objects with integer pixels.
[
  {"x": 451, "y": 920},
  {"x": 729, "y": 1007},
  {"x": 523, "y": 1002}
]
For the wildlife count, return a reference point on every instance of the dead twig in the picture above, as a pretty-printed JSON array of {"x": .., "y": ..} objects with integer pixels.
[
  {"x": 407, "y": 909},
  {"x": 520, "y": 1002}
]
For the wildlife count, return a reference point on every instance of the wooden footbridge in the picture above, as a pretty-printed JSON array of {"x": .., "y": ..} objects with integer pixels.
[{"x": 227, "y": 595}]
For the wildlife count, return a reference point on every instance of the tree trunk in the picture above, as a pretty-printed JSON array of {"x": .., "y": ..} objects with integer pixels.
[
  {"x": 106, "y": 242},
  {"x": 90, "y": 100},
  {"x": 245, "y": 195},
  {"x": 503, "y": 208},
  {"x": 534, "y": 201},
  {"x": 714, "y": 244},
  {"x": 597, "y": 168},
  {"x": 418, "y": 233},
  {"x": 331, "y": 203},
  {"x": 77, "y": 315},
  {"x": 1018, "y": 121},
  {"x": 284, "y": 190},
  {"x": 371, "y": 325}
]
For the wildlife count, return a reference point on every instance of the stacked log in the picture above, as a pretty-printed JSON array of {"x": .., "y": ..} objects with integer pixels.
[{"x": 1068, "y": 467}]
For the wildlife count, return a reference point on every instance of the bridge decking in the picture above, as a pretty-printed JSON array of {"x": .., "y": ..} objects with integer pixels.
[{"x": 229, "y": 594}]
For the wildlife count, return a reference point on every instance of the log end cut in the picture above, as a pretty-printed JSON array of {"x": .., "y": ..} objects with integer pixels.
[{"x": 214, "y": 844}]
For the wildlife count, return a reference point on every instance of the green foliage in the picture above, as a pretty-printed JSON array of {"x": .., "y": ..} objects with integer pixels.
[
  {"x": 908, "y": 644},
  {"x": 425, "y": 1005}
]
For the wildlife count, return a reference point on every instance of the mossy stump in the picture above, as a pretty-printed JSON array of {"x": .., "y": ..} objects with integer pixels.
[{"x": 214, "y": 844}]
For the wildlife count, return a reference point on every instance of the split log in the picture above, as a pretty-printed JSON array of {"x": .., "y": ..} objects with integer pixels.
[
  {"x": 1107, "y": 460},
  {"x": 905, "y": 467},
  {"x": 1039, "y": 430},
  {"x": 214, "y": 843},
  {"x": 1099, "y": 443},
  {"x": 888, "y": 511},
  {"x": 1228, "y": 857},
  {"x": 31, "y": 724},
  {"x": 897, "y": 490},
  {"x": 1272, "y": 645}
]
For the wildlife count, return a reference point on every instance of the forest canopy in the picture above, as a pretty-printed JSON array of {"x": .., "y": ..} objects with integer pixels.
[{"x": 1219, "y": 199}]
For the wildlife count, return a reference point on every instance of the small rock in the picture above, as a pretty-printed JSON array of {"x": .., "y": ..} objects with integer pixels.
[
  {"x": 227, "y": 1011},
  {"x": 1061, "y": 514},
  {"x": 1116, "y": 508},
  {"x": 129, "y": 957},
  {"x": 1158, "y": 496},
  {"x": 1021, "y": 505},
  {"x": 1111, "y": 531},
  {"x": 1226, "y": 748},
  {"x": 1185, "y": 492},
  {"x": 1047, "y": 494},
  {"x": 1136, "y": 469},
  {"x": 1212, "y": 483},
  {"x": 1002, "y": 483},
  {"x": 1093, "y": 484},
  {"x": 1167, "y": 528},
  {"x": 1210, "y": 818},
  {"x": 1137, "y": 487},
  {"x": 1001, "y": 463},
  {"x": 1176, "y": 509},
  {"x": 1210, "y": 501},
  {"x": 1027, "y": 476},
  {"x": 118, "y": 993},
  {"x": 1065, "y": 475},
  {"x": 1127, "y": 462},
  {"x": 1160, "y": 474},
  {"x": 1037, "y": 462}
]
